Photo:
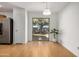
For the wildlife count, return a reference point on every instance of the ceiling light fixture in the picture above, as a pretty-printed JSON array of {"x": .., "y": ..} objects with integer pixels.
[{"x": 46, "y": 11}]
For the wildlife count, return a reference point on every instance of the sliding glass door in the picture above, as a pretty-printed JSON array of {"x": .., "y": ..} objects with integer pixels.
[{"x": 40, "y": 28}]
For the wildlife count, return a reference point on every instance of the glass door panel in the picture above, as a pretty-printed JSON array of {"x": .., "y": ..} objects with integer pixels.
[{"x": 40, "y": 29}]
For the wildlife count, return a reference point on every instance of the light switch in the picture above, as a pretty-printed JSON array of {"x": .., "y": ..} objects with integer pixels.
[
  {"x": 16, "y": 30},
  {"x": 78, "y": 48}
]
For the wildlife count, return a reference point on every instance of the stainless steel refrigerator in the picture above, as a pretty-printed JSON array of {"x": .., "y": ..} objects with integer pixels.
[{"x": 6, "y": 31}]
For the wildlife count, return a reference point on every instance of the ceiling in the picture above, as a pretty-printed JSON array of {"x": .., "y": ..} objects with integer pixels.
[
  {"x": 34, "y": 6},
  {"x": 6, "y": 7}
]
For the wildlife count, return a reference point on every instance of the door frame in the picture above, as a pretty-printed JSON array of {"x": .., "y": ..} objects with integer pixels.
[{"x": 41, "y": 18}]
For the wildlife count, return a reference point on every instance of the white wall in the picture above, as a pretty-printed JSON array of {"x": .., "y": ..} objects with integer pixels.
[
  {"x": 53, "y": 22},
  {"x": 19, "y": 25},
  {"x": 8, "y": 14},
  {"x": 69, "y": 27}
]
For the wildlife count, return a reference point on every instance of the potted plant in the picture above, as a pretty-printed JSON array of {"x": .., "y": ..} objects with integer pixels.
[{"x": 55, "y": 33}]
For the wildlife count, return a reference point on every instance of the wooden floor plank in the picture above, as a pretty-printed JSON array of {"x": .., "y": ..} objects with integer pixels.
[{"x": 35, "y": 49}]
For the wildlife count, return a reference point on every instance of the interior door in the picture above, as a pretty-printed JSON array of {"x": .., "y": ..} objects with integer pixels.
[{"x": 40, "y": 28}]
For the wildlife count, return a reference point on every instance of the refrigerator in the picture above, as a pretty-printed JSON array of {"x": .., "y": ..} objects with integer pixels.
[{"x": 6, "y": 31}]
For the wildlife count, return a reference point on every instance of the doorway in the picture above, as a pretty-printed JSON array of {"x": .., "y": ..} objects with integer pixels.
[{"x": 40, "y": 29}]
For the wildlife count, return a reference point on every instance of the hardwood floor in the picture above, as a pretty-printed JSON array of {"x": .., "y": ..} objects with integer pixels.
[{"x": 35, "y": 49}]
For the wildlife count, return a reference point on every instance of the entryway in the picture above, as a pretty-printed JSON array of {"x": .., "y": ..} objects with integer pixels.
[{"x": 40, "y": 29}]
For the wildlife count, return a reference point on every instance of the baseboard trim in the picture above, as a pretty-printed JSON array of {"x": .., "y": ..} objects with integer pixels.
[
  {"x": 67, "y": 49},
  {"x": 20, "y": 43}
]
